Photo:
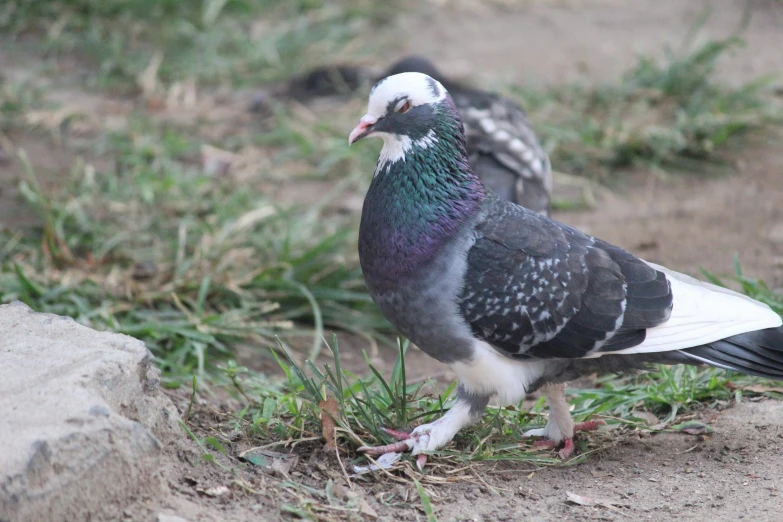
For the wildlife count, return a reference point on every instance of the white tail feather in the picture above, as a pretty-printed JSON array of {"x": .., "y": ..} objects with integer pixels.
[{"x": 702, "y": 313}]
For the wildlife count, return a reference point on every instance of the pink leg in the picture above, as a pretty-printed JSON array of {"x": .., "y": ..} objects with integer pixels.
[
  {"x": 396, "y": 447},
  {"x": 397, "y": 434},
  {"x": 567, "y": 450},
  {"x": 430, "y": 436},
  {"x": 559, "y": 426},
  {"x": 568, "y": 443}
]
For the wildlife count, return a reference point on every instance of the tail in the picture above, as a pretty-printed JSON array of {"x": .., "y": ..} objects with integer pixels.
[{"x": 758, "y": 353}]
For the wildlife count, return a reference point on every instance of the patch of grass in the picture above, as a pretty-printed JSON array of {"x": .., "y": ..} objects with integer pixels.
[
  {"x": 15, "y": 100},
  {"x": 193, "y": 262},
  {"x": 213, "y": 41},
  {"x": 365, "y": 404},
  {"x": 152, "y": 233},
  {"x": 368, "y": 403},
  {"x": 670, "y": 116},
  {"x": 755, "y": 288}
]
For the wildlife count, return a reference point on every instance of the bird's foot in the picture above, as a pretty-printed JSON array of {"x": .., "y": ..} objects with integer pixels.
[
  {"x": 406, "y": 441},
  {"x": 567, "y": 442},
  {"x": 427, "y": 437}
]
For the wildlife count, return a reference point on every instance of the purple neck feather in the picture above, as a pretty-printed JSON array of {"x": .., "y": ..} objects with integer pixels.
[{"x": 417, "y": 205}]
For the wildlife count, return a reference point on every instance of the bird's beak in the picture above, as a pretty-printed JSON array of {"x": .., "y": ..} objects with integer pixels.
[{"x": 363, "y": 129}]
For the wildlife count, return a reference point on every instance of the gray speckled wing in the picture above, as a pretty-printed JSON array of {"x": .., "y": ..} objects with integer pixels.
[
  {"x": 504, "y": 149},
  {"x": 535, "y": 288}
]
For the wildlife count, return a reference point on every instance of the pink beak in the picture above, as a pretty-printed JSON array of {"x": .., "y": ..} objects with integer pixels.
[{"x": 363, "y": 129}]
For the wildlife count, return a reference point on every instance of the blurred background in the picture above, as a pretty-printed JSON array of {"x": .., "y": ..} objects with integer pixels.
[{"x": 165, "y": 173}]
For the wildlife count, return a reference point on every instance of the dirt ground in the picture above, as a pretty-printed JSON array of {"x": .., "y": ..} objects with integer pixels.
[
  {"x": 558, "y": 41},
  {"x": 733, "y": 473},
  {"x": 685, "y": 223}
]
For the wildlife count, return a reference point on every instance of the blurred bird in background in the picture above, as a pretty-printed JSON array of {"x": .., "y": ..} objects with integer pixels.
[{"x": 502, "y": 146}]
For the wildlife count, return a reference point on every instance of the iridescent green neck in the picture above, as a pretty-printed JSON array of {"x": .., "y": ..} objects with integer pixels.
[{"x": 417, "y": 203}]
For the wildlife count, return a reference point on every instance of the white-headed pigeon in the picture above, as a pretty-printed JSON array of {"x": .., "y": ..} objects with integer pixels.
[
  {"x": 502, "y": 147},
  {"x": 514, "y": 301}
]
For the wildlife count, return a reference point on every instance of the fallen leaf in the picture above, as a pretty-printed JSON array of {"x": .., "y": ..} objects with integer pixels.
[
  {"x": 579, "y": 499},
  {"x": 147, "y": 80},
  {"x": 339, "y": 490},
  {"x": 645, "y": 416},
  {"x": 693, "y": 428},
  {"x": 592, "y": 502},
  {"x": 758, "y": 388},
  {"x": 280, "y": 462},
  {"x": 343, "y": 493},
  {"x": 216, "y": 161},
  {"x": 54, "y": 119},
  {"x": 217, "y": 491},
  {"x": 328, "y": 426},
  {"x": 366, "y": 509}
]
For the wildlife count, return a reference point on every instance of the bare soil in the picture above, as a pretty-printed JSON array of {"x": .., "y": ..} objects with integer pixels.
[
  {"x": 685, "y": 223},
  {"x": 730, "y": 474},
  {"x": 560, "y": 41}
]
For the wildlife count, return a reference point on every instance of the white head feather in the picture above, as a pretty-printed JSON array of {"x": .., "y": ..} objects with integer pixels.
[
  {"x": 410, "y": 87},
  {"x": 417, "y": 88}
]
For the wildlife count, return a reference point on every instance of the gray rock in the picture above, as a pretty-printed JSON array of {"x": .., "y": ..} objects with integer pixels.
[{"x": 81, "y": 419}]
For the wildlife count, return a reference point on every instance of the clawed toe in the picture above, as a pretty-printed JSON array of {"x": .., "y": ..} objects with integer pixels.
[
  {"x": 397, "y": 434},
  {"x": 395, "y": 447},
  {"x": 567, "y": 443},
  {"x": 421, "y": 461},
  {"x": 566, "y": 451},
  {"x": 406, "y": 442}
]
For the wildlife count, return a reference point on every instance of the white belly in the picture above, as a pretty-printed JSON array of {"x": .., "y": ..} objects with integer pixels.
[{"x": 491, "y": 373}]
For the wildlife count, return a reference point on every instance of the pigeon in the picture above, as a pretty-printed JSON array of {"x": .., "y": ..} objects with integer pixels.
[
  {"x": 503, "y": 148},
  {"x": 512, "y": 300}
]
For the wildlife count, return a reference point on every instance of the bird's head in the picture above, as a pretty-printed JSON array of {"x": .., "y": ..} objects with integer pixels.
[{"x": 407, "y": 111}]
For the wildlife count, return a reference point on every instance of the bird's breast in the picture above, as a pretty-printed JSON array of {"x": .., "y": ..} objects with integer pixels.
[{"x": 422, "y": 303}]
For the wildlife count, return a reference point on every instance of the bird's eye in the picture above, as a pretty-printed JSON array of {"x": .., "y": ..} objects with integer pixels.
[{"x": 403, "y": 106}]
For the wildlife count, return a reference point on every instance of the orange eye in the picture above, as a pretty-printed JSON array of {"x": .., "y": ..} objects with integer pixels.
[{"x": 404, "y": 107}]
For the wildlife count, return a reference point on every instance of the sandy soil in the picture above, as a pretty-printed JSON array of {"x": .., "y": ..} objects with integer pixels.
[
  {"x": 685, "y": 223},
  {"x": 557, "y": 41}
]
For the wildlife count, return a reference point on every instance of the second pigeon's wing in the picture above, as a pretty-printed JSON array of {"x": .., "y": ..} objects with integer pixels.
[
  {"x": 536, "y": 288},
  {"x": 504, "y": 150}
]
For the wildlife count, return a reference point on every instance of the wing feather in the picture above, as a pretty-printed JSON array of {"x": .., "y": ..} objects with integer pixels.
[{"x": 537, "y": 289}]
